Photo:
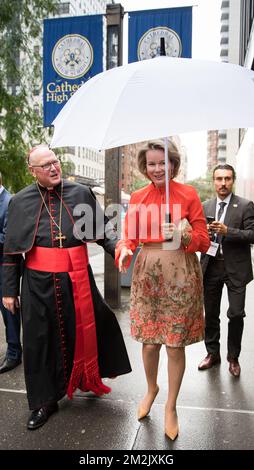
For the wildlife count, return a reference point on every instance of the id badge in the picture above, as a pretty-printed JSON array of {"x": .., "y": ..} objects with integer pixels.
[{"x": 213, "y": 249}]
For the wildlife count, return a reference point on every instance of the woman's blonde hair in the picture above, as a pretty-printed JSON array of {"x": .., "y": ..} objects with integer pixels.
[{"x": 173, "y": 156}]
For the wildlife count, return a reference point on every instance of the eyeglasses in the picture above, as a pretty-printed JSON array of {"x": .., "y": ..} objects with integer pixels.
[{"x": 47, "y": 166}]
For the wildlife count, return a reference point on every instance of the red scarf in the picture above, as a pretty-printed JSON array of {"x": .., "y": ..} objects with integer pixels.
[{"x": 85, "y": 373}]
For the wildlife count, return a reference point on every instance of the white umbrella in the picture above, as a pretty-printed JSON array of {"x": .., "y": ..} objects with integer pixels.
[{"x": 155, "y": 98}]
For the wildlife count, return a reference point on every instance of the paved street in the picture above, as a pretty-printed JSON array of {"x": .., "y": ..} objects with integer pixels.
[{"x": 215, "y": 410}]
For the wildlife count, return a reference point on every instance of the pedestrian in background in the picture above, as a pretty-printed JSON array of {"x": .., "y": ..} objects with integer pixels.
[
  {"x": 13, "y": 353},
  {"x": 228, "y": 263},
  {"x": 167, "y": 287}
]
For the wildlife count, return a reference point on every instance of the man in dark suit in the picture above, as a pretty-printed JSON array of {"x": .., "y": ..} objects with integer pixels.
[
  {"x": 12, "y": 322},
  {"x": 228, "y": 262}
]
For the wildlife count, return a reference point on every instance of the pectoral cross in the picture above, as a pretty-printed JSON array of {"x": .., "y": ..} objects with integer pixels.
[{"x": 60, "y": 237}]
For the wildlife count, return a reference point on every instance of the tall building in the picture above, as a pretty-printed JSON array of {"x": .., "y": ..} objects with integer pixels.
[
  {"x": 245, "y": 156},
  {"x": 247, "y": 34},
  {"x": 228, "y": 139},
  {"x": 212, "y": 149},
  {"x": 131, "y": 176}
]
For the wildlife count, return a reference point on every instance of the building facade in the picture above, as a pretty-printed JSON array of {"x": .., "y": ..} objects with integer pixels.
[
  {"x": 212, "y": 149},
  {"x": 223, "y": 145},
  {"x": 245, "y": 156},
  {"x": 131, "y": 177},
  {"x": 228, "y": 139}
]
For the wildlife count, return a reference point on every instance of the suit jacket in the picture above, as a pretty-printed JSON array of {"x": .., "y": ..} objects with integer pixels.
[
  {"x": 4, "y": 201},
  {"x": 237, "y": 242}
]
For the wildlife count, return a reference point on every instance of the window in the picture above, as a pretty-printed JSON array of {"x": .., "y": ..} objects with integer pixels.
[
  {"x": 223, "y": 136},
  {"x": 223, "y": 52},
  {"x": 63, "y": 8},
  {"x": 224, "y": 16},
  {"x": 222, "y": 147},
  {"x": 224, "y": 41},
  {"x": 224, "y": 28}
]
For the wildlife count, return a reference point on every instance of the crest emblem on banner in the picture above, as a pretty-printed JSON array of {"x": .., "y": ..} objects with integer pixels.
[
  {"x": 149, "y": 44},
  {"x": 72, "y": 56}
]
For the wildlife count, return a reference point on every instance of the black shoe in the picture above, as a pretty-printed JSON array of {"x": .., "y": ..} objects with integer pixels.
[
  {"x": 9, "y": 364},
  {"x": 39, "y": 417}
]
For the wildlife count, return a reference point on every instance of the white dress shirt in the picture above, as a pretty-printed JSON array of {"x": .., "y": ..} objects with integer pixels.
[
  {"x": 223, "y": 215},
  {"x": 226, "y": 200}
]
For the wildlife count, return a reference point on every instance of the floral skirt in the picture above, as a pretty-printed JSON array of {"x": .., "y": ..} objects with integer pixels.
[{"x": 167, "y": 297}]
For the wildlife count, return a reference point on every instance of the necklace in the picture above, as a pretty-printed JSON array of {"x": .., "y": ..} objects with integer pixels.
[{"x": 60, "y": 236}]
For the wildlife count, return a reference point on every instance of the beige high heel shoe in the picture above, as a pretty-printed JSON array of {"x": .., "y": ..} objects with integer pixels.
[
  {"x": 144, "y": 411},
  {"x": 171, "y": 429}
]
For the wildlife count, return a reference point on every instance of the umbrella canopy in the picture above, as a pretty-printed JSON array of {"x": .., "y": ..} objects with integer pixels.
[{"x": 154, "y": 98}]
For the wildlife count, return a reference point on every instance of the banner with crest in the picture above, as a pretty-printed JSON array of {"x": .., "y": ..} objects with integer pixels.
[
  {"x": 72, "y": 53},
  {"x": 147, "y": 27}
]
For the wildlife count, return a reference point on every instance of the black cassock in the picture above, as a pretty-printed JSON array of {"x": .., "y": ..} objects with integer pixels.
[{"x": 49, "y": 334}]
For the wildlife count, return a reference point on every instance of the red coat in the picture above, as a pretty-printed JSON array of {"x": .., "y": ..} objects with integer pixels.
[{"x": 147, "y": 210}]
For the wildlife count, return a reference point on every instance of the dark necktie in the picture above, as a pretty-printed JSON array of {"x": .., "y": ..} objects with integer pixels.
[{"x": 221, "y": 210}]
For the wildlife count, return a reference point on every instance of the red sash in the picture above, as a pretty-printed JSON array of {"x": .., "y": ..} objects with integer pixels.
[{"x": 85, "y": 373}]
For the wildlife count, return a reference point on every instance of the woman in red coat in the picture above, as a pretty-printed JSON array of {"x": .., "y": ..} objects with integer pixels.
[{"x": 167, "y": 287}]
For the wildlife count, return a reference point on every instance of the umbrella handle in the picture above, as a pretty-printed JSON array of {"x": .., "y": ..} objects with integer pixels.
[
  {"x": 168, "y": 218},
  {"x": 168, "y": 221}
]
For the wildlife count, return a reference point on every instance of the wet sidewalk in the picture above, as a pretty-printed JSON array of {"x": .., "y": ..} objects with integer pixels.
[{"x": 216, "y": 411}]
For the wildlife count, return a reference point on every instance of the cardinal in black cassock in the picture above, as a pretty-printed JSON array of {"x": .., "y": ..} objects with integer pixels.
[{"x": 71, "y": 338}]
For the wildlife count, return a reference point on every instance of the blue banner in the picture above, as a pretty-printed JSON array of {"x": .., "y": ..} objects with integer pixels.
[
  {"x": 147, "y": 27},
  {"x": 72, "y": 53}
]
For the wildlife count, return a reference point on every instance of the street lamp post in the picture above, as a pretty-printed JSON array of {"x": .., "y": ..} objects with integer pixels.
[{"x": 113, "y": 174}]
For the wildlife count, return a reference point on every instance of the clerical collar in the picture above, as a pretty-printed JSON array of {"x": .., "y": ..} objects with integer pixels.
[{"x": 51, "y": 188}]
